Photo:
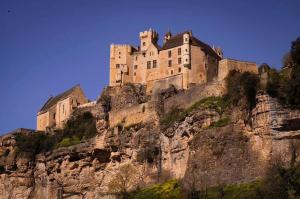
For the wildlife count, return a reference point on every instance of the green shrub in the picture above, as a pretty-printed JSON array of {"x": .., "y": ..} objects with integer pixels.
[
  {"x": 174, "y": 115},
  {"x": 285, "y": 84},
  {"x": 83, "y": 126},
  {"x": 78, "y": 128},
  {"x": 167, "y": 190},
  {"x": 68, "y": 141},
  {"x": 219, "y": 104},
  {"x": 241, "y": 85},
  {"x": 32, "y": 143},
  {"x": 235, "y": 191},
  {"x": 281, "y": 182},
  {"x": 221, "y": 122}
]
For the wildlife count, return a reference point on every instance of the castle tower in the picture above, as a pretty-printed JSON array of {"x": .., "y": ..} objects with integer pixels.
[
  {"x": 147, "y": 37},
  {"x": 186, "y": 50},
  {"x": 120, "y": 64}
]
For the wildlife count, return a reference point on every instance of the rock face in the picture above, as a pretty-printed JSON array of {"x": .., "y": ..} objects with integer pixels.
[{"x": 188, "y": 149}]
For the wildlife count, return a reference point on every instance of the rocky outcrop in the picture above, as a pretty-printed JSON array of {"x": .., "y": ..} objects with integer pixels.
[
  {"x": 269, "y": 117},
  {"x": 118, "y": 97},
  {"x": 189, "y": 149}
]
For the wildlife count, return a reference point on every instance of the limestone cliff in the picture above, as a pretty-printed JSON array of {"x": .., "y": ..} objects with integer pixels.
[{"x": 192, "y": 148}]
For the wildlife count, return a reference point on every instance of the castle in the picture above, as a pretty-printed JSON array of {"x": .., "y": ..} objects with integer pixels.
[{"x": 182, "y": 61}]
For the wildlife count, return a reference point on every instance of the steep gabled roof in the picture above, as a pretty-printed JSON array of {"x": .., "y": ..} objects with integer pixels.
[
  {"x": 177, "y": 40},
  {"x": 53, "y": 100}
]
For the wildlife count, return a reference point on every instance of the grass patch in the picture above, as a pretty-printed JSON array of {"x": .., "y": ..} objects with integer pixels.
[
  {"x": 220, "y": 123},
  {"x": 219, "y": 104},
  {"x": 68, "y": 141},
  {"x": 236, "y": 191},
  {"x": 174, "y": 115},
  {"x": 167, "y": 190}
]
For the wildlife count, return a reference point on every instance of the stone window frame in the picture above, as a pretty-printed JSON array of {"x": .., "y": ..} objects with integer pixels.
[
  {"x": 154, "y": 64},
  {"x": 179, "y": 51},
  {"x": 148, "y": 64},
  {"x": 179, "y": 60},
  {"x": 169, "y": 63},
  {"x": 169, "y": 53}
]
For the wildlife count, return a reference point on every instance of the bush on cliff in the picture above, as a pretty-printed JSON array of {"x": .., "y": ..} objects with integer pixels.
[
  {"x": 281, "y": 182},
  {"x": 76, "y": 130},
  {"x": 241, "y": 85},
  {"x": 81, "y": 127},
  {"x": 220, "y": 123},
  {"x": 285, "y": 83},
  {"x": 219, "y": 104}
]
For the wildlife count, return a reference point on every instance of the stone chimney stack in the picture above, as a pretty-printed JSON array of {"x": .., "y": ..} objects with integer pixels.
[{"x": 168, "y": 35}]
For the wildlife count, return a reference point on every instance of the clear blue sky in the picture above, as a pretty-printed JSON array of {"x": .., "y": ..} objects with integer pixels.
[{"x": 47, "y": 46}]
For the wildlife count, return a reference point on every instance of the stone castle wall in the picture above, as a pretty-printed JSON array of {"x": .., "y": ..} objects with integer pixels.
[
  {"x": 161, "y": 84},
  {"x": 140, "y": 113},
  {"x": 194, "y": 94},
  {"x": 227, "y": 65}
]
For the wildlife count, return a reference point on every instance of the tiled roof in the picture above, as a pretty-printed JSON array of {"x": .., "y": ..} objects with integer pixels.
[
  {"x": 53, "y": 100},
  {"x": 177, "y": 40}
]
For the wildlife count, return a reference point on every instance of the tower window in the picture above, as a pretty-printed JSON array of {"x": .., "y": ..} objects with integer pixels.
[
  {"x": 179, "y": 60},
  {"x": 179, "y": 51},
  {"x": 179, "y": 69},
  {"x": 144, "y": 43},
  {"x": 154, "y": 63},
  {"x": 119, "y": 53},
  {"x": 135, "y": 57},
  {"x": 169, "y": 53},
  {"x": 186, "y": 50},
  {"x": 148, "y": 64},
  {"x": 117, "y": 66},
  {"x": 171, "y": 72},
  {"x": 134, "y": 73},
  {"x": 135, "y": 66},
  {"x": 170, "y": 63}
]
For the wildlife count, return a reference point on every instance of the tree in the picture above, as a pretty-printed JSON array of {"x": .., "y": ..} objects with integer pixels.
[
  {"x": 295, "y": 51},
  {"x": 240, "y": 85},
  {"x": 123, "y": 180},
  {"x": 294, "y": 82}
]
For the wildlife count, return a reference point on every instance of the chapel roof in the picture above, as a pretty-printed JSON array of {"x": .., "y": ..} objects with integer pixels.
[{"x": 53, "y": 100}]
